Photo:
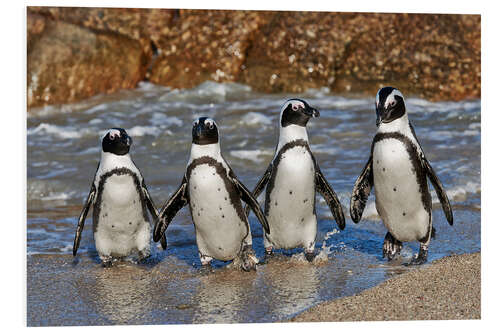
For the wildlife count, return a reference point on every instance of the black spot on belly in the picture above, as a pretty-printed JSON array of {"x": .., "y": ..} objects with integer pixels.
[
  {"x": 198, "y": 213},
  {"x": 305, "y": 200},
  {"x": 220, "y": 208},
  {"x": 404, "y": 214},
  {"x": 201, "y": 209},
  {"x": 225, "y": 198},
  {"x": 383, "y": 169},
  {"x": 220, "y": 248},
  {"x": 134, "y": 202},
  {"x": 377, "y": 161},
  {"x": 291, "y": 192},
  {"x": 218, "y": 189},
  {"x": 105, "y": 214},
  {"x": 195, "y": 187},
  {"x": 276, "y": 203},
  {"x": 130, "y": 223},
  {"x": 302, "y": 220},
  {"x": 394, "y": 189},
  {"x": 222, "y": 216},
  {"x": 112, "y": 226}
]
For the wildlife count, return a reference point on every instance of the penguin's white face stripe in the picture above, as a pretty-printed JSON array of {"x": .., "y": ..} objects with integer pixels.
[
  {"x": 113, "y": 133},
  {"x": 391, "y": 98},
  {"x": 210, "y": 122},
  {"x": 296, "y": 105}
]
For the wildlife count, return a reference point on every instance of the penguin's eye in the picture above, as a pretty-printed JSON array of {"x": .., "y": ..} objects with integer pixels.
[
  {"x": 392, "y": 103},
  {"x": 112, "y": 136},
  {"x": 195, "y": 123},
  {"x": 211, "y": 126},
  {"x": 295, "y": 107}
]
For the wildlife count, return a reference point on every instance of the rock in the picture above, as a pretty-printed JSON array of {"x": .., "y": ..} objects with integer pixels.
[
  {"x": 67, "y": 63},
  {"x": 437, "y": 57},
  {"x": 205, "y": 45}
]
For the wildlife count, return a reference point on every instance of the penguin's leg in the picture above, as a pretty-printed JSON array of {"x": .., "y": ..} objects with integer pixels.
[
  {"x": 391, "y": 247},
  {"x": 107, "y": 261},
  {"x": 103, "y": 246},
  {"x": 142, "y": 241},
  {"x": 309, "y": 252},
  {"x": 268, "y": 245},
  {"x": 421, "y": 258},
  {"x": 310, "y": 238},
  {"x": 248, "y": 259},
  {"x": 247, "y": 254},
  {"x": 206, "y": 267}
]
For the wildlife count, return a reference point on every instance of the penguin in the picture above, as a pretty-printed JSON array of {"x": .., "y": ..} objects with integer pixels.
[
  {"x": 293, "y": 177},
  {"x": 398, "y": 170},
  {"x": 120, "y": 201},
  {"x": 214, "y": 195}
]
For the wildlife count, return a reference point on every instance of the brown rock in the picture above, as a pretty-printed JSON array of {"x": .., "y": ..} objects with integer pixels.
[
  {"x": 437, "y": 57},
  {"x": 67, "y": 63}
]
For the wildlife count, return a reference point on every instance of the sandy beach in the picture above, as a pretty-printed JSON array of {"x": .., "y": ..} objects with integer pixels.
[{"x": 449, "y": 288}]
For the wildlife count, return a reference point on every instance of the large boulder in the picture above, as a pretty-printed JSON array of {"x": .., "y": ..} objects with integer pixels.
[
  {"x": 67, "y": 62},
  {"x": 75, "y": 53},
  {"x": 432, "y": 56}
]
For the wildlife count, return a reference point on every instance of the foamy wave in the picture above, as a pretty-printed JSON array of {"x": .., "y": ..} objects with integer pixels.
[
  {"x": 46, "y": 190},
  {"x": 254, "y": 118},
  {"x": 144, "y": 130},
  {"x": 252, "y": 155},
  {"x": 208, "y": 90},
  {"x": 460, "y": 192},
  {"x": 59, "y": 131},
  {"x": 161, "y": 119}
]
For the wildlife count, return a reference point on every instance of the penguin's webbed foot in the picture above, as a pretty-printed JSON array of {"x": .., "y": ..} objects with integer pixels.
[
  {"x": 310, "y": 256},
  {"x": 107, "y": 261},
  {"x": 421, "y": 258},
  {"x": 206, "y": 269},
  {"x": 392, "y": 247},
  {"x": 143, "y": 256},
  {"x": 248, "y": 259}
]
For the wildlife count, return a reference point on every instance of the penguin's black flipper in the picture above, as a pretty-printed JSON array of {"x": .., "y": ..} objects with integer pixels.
[
  {"x": 361, "y": 191},
  {"x": 152, "y": 210},
  {"x": 441, "y": 193},
  {"x": 252, "y": 202},
  {"x": 81, "y": 219},
  {"x": 178, "y": 200},
  {"x": 331, "y": 198},
  {"x": 260, "y": 185}
]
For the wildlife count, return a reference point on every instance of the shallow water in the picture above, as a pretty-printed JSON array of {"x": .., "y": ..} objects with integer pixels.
[{"x": 63, "y": 152}]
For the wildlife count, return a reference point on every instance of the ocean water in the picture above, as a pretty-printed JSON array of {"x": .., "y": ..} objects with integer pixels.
[{"x": 64, "y": 150}]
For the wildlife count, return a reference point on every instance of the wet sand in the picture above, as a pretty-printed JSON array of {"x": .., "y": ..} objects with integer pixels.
[{"x": 449, "y": 288}]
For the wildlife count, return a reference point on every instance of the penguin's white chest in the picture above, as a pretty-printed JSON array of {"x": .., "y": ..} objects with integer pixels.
[
  {"x": 291, "y": 200},
  {"x": 219, "y": 229},
  {"x": 397, "y": 192},
  {"x": 121, "y": 217}
]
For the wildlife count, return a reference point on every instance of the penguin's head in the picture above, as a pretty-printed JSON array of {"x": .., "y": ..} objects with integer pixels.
[
  {"x": 116, "y": 141},
  {"x": 389, "y": 104},
  {"x": 297, "y": 112},
  {"x": 205, "y": 131}
]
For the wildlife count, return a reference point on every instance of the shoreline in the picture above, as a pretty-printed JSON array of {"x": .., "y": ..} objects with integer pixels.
[{"x": 446, "y": 289}]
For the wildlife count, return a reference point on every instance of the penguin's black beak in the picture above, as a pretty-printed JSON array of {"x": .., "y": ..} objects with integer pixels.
[{"x": 311, "y": 112}]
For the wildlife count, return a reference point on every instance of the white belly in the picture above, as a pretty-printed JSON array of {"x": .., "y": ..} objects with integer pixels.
[
  {"x": 397, "y": 196},
  {"x": 219, "y": 229},
  {"x": 291, "y": 201},
  {"x": 121, "y": 221}
]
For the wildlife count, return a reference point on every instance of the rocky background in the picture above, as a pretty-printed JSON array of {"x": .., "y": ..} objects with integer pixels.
[{"x": 75, "y": 53}]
